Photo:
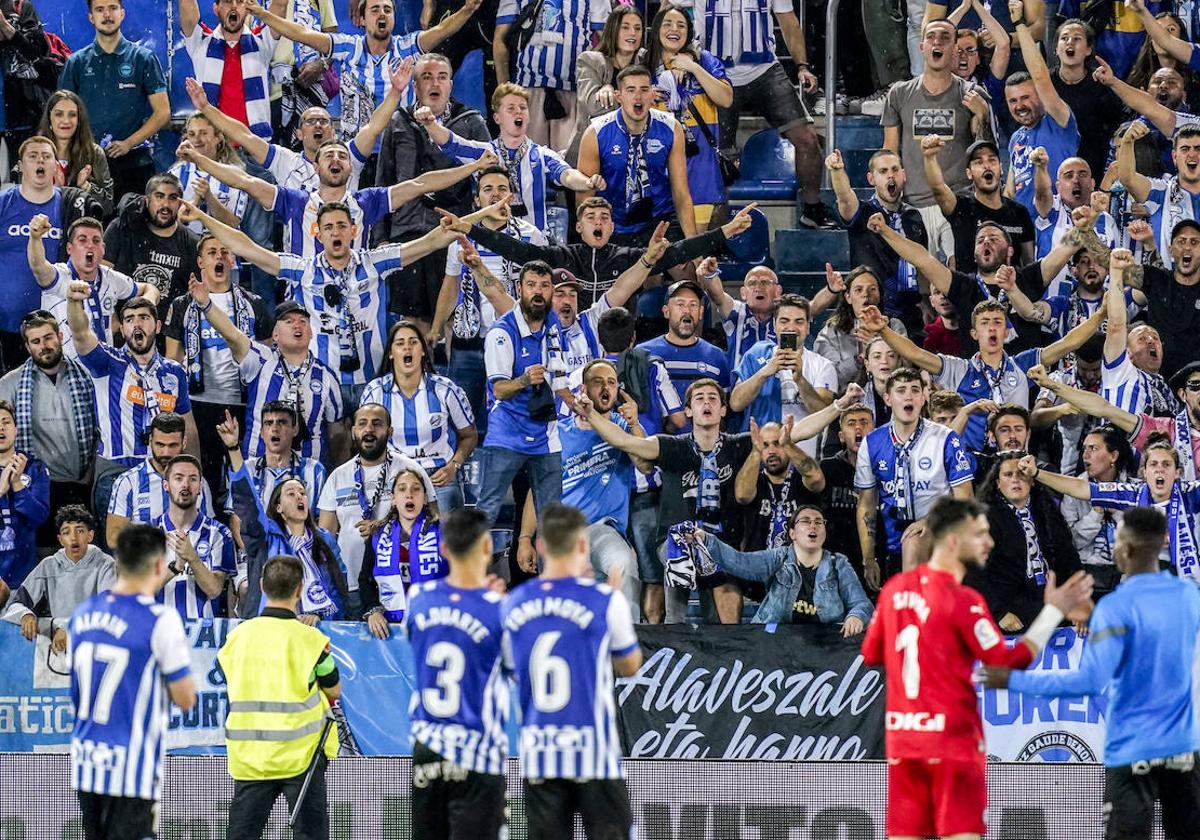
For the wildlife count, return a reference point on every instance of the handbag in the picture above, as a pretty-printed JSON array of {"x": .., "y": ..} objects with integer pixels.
[{"x": 730, "y": 170}]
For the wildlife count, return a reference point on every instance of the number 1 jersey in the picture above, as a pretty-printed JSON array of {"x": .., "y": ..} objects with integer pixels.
[{"x": 927, "y": 632}]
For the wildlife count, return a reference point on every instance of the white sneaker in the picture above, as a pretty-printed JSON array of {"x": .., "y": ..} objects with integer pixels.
[{"x": 872, "y": 106}]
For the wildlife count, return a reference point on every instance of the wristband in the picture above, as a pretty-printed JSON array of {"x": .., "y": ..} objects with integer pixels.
[
  {"x": 1047, "y": 622},
  {"x": 233, "y": 448},
  {"x": 642, "y": 260},
  {"x": 206, "y": 307},
  {"x": 713, "y": 275},
  {"x": 525, "y": 537}
]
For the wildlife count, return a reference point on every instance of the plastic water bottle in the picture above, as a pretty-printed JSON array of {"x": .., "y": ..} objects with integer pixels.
[{"x": 788, "y": 388}]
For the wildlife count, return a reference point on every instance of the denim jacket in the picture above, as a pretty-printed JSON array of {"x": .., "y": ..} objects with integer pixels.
[{"x": 837, "y": 593}]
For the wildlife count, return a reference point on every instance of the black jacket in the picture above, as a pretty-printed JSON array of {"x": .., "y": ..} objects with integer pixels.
[
  {"x": 406, "y": 152},
  {"x": 596, "y": 269}
]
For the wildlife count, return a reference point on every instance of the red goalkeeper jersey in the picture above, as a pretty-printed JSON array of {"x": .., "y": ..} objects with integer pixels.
[{"x": 927, "y": 633}]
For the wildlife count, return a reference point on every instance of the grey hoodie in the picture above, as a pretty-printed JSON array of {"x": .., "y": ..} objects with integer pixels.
[{"x": 57, "y": 586}]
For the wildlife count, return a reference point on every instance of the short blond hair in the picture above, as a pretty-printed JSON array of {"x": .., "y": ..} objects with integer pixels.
[{"x": 508, "y": 89}]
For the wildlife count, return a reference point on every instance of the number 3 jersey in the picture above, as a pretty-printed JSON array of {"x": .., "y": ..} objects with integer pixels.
[
  {"x": 461, "y": 701},
  {"x": 560, "y": 635},
  {"x": 124, "y": 649},
  {"x": 927, "y": 632}
]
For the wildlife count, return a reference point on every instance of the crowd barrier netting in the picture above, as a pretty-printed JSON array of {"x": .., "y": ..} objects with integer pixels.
[{"x": 672, "y": 800}]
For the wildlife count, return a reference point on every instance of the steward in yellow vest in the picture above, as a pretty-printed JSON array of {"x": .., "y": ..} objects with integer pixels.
[{"x": 281, "y": 679}]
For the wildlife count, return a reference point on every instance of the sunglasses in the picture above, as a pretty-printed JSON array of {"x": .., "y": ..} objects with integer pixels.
[{"x": 1193, "y": 385}]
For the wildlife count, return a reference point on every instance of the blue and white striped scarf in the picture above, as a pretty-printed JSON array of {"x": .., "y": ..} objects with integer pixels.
[
  {"x": 243, "y": 319},
  {"x": 254, "y": 75}
]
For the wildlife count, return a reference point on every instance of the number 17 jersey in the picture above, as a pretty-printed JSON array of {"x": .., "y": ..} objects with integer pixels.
[{"x": 927, "y": 632}]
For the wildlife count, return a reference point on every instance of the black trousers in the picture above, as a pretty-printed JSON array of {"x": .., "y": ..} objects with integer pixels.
[
  {"x": 450, "y": 803},
  {"x": 252, "y": 803},
  {"x": 213, "y": 459},
  {"x": 602, "y": 804},
  {"x": 118, "y": 817}
]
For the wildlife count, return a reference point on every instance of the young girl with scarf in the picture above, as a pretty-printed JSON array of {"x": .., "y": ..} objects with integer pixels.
[
  {"x": 1162, "y": 488},
  {"x": 285, "y": 526},
  {"x": 404, "y": 548}
]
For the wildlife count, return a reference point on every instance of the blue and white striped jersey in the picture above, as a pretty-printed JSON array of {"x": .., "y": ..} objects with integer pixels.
[
  {"x": 216, "y": 550},
  {"x": 743, "y": 331},
  {"x": 296, "y": 171},
  {"x": 1052, "y": 227},
  {"x": 233, "y": 200},
  {"x": 366, "y": 77},
  {"x": 140, "y": 495},
  {"x": 537, "y": 167},
  {"x": 974, "y": 380},
  {"x": 687, "y": 363},
  {"x": 110, "y": 289},
  {"x": 560, "y": 635},
  {"x": 124, "y": 649},
  {"x": 579, "y": 342},
  {"x": 460, "y": 702},
  {"x": 363, "y": 311},
  {"x": 312, "y": 387},
  {"x": 128, "y": 398},
  {"x": 424, "y": 426},
  {"x": 297, "y": 211},
  {"x": 739, "y": 32},
  {"x": 1129, "y": 387},
  {"x": 564, "y": 31}
]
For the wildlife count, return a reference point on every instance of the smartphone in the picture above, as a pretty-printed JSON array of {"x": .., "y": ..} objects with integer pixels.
[{"x": 789, "y": 341}]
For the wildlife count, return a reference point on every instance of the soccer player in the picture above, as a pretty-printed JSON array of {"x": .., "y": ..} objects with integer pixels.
[
  {"x": 560, "y": 631},
  {"x": 125, "y": 649},
  {"x": 927, "y": 632},
  {"x": 461, "y": 699},
  {"x": 1141, "y": 646}
]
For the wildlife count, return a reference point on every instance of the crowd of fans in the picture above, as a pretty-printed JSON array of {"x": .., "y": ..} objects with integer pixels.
[{"x": 343, "y": 311}]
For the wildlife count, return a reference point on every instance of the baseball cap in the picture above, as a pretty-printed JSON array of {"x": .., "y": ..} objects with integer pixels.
[
  {"x": 562, "y": 277},
  {"x": 1180, "y": 225},
  {"x": 685, "y": 284},
  {"x": 288, "y": 307},
  {"x": 981, "y": 144},
  {"x": 1181, "y": 376}
]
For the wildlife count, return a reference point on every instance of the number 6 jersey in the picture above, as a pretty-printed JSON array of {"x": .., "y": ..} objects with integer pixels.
[
  {"x": 460, "y": 703},
  {"x": 560, "y": 635},
  {"x": 927, "y": 633}
]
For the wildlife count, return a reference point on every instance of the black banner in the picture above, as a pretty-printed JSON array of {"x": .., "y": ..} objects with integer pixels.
[{"x": 793, "y": 693}]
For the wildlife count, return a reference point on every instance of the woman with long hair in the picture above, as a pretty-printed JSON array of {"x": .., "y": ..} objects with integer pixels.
[
  {"x": 404, "y": 549},
  {"x": 226, "y": 204},
  {"x": 1107, "y": 456},
  {"x": 81, "y": 161},
  {"x": 284, "y": 526},
  {"x": 1153, "y": 56},
  {"x": 432, "y": 421},
  {"x": 692, "y": 85},
  {"x": 839, "y": 340},
  {"x": 596, "y": 70},
  {"x": 1031, "y": 540}
]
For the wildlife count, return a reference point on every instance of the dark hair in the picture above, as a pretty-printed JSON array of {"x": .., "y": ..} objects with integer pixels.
[
  {"x": 5, "y": 405},
  {"x": 462, "y": 529},
  {"x": 945, "y": 400},
  {"x": 1160, "y": 442},
  {"x": 38, "y": 318},
  {"x": 615, "y": 329},
  {"x": 1018, "y": 78},
  {"x": 1042, "y": 504},
  {"x": 902, "y": 374},
  {"x": 985, "y": 306},
  {"x": 184, "y": 458},
  {"x": 491, "y": 170},
  {"x": 334, "y": 207},
  {"x": 654, "y": 48},
  {"x": 882, "y": 153},
  {"x": 426, "y": 351},
  {"x": 1008, "y": 410},
  {"x": 167, "y": 422},
  {"x": 1089, "y": 33},
  {"x": 168, "y": 178},
  {"x": 607, "y": 46},
  {"x": 703, "y": 382},
  {"x": 281, "y": 407},
  {"x": 1091, "y": 351},
  {"x": 559, "y": 526},
  {"x": 1145, "y": 529},
  {"x": 1188, "y": 132},
  {"x": 1116, "y": 441},
  {"x": 988, "y": 223},
  {"x": 633, "y": 70},
  {"x": 538, "y": 267},
  {"x": 794, "y": 300},
  {"x": 803, "y": 506},
  {"x": 83, "y": 222},
  {"x": 121, "y": 3},
  {"x": 1148, "y": 63},
  {"x": 322, "y": 554},
  {"x": 393, "y": 515},
  {"x": 374, "y": 406},
  {"x": 135, "y": 303},
  {"x": 68, "y": 514},
  {"x": 596, "y": 362},
  {"x": 281, "y": 576},
  {"x": 843, "y": 316},
  {"x": 138, "y": 547},
  {"x": 332, "y": 141},
  {"x": 81, "y": 150},
  {"x": 590, "y": 203},
  {"x": 949, "y": 512}
]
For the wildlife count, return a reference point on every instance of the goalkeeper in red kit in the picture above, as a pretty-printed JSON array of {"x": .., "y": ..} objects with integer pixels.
[{"x": 927, "y": 633}]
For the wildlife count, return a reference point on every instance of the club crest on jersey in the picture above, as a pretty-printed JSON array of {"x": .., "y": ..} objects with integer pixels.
[{"x": 925, "y": 463}]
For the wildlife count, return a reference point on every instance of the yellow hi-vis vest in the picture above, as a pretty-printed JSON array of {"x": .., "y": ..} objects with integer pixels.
[{"x": 275, "y": 718}]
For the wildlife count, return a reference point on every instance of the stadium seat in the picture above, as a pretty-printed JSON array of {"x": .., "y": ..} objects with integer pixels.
[
  {"x": 805, "y": 251},
  {"x": 768, "y": 169},
  {"x": 753, "y": 246}
]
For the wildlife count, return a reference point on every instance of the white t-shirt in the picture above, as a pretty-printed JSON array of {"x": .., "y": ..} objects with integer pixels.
[{"x": 820, "y": 373}]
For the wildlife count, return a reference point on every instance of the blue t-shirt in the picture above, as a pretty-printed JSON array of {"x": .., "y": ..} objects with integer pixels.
[
  {"x": 597, "y": 477},
  {"x": 1141, "y": 646},
  {"x": 116, "y": 86},
  {"x": 22, "y": 294},
  {"x": 687, "y": 364},
  {"x": 639, "y": 201},
  {"x": 1060, "y": 143}
]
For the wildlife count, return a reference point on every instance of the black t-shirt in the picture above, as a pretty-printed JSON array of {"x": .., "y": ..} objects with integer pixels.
[
  {"x": 173, "y": 326},
  {"x": 965, "y": 292},
  {"x": 1173, "y": 310},
  {"x": 868, "y": 248},
  {"x": 680, "y": 465},
  {"x": 804, "y": 610},
  {"x": 165, "y": 262},
  {"x": 1098, "y": 111},
  {"x": 775, "y": 500},
  {"x": 969, "y": 212},
  {"x": 839, "y": 500}
]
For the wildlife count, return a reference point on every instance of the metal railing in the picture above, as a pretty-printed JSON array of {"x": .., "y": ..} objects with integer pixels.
[{"x": 831, "y": 13}]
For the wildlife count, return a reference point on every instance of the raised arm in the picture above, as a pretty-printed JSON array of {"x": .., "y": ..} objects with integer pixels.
[
  {"x": 35, "y": 251},
  {"x": 239, "y": 343},
  {"x": 745, "y": 483},
  {"x": 285, "y": 28},
  {"x": 1116, "y": 335},
  {"x": 1074, "y": 339},
  {"x": 813, "y": 424},
  {"x": 709, "y": 276},
  {"x": 236, "y": 133},
  {"x": 1037, "y": 311},
  {"x": 431, "y": 38},
  {"x": 913, "y": 253},
  {"x": 189, "y": 17},
  {"x": 1055, "y": 261},
  {"x": 77, "y": 318},
  {"x": 239, "y": 243},
  {"x": 1001, "y": 40},
  {"x": 398, "y": 79},
  {"x": 1087, "y": 402},
  {"x": 412, "y": 251},
  {"x": 875, "y": 321},
  {"x": 1043, "y": 187},
  {"x": 1177, "y": 48},
  {"x": 1137, "y": 100},
  {"x": 1137, "y": 184},
  {"x": 1079, "y": 488},
  {"x": 612, "y": 434},
  {"x": 231, "y": 176},
  {"x": 847, "y": 200},
  {"x": 1058, "y": 110},
  {"x": 435, "y": 180},
  {"x": 947, "y": 201}
]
